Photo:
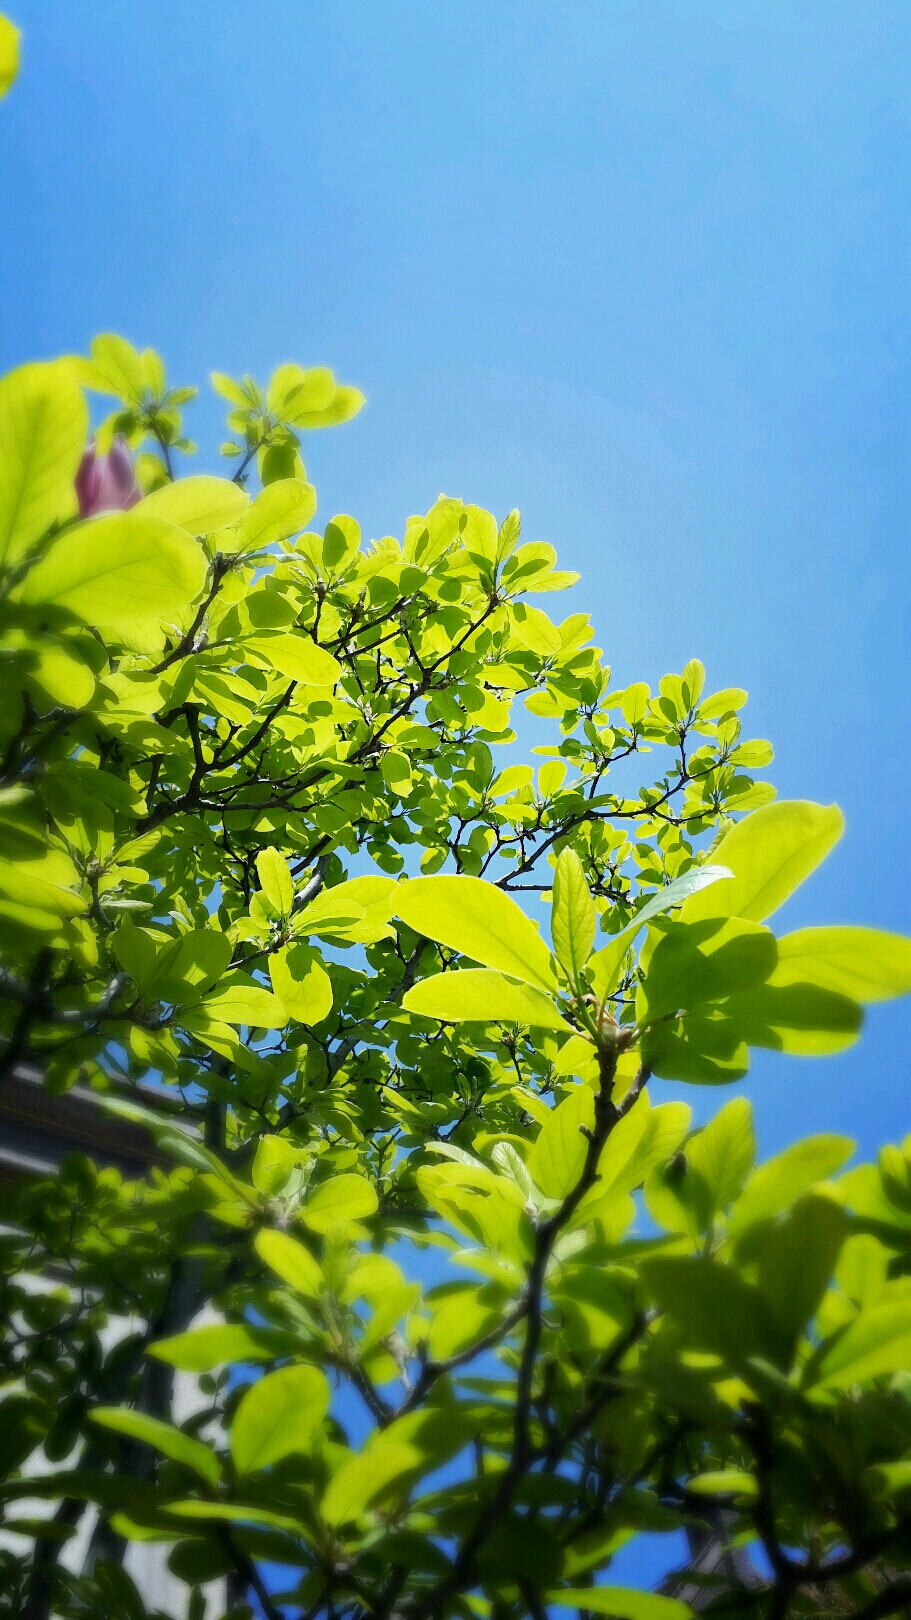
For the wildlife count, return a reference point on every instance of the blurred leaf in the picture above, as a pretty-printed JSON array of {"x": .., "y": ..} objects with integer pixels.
[
  {"x": 171, "y": 1442},
  {"x": 277, "y": 1417},
  {"x": 43, "y": 426}
]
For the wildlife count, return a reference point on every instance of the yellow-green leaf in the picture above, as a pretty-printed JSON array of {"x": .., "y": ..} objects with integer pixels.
[
  {"x": 200, "y": 504},
  {"x": 876, "y": 1343},
  {"x": 43, "y": 425},
  {"x": 621, "y": 1601},
  {"x": 480, "y": 995},
  {"x": 291, "y": 1262},
  {"x": 245, "y": 1004},
  {"x": 118, "y": 570},
  {"x": 277, "y": 1417},
  {"x": 301, "y": 984},
  {"x": 362, "y": 1478},
  {"x": 280, "y": 510},
  {"x": 298, "y": 658},
  {"x": 770, "y": 853},
  {"x": 479, "y": 920},
  {"x": 573, "y": 915},
  {"x": 344, "y": 1198},
  {"x": 721, "y": 1481},
  {"x": 171, "y": 1442},
  {"x": 556, "y": 1159},
  {"x": 778, "y": 1182},
  {"x": 275, "y": 877},
  {"x": 862, "y": 963},
  {"x": 9, "y": 54}
]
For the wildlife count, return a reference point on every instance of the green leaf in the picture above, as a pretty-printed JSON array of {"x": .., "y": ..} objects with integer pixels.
[
  {"x": 703, "y": 1048},
  {"x": 297, "y": 658},
  {"x": 173, "y": 1138},
  {"x": 43, "y": 424},
  {"x": 674, "y": 894},
  {"x": 693, "y": 963},
  {"x": 715, "y": 1309},
  {"x": 887, "y": 1479},
  {"x": 363, "y": 1478},
  {"x": 723, "y": 1481},
  {"x": 119, "y": 570},
  {"x": 290, "y": 1261},
  {"x": 277, "y": 1163},
  {"x": 345, "y": 403},
  {"x": 234, "y": 1513},
  {"x": 117, "y": 364},
  {"x": 634, "y": 703},
  {"x": 276, "y": 880},
  {"x": 861, "y": 963},
  {"x": 200, "y": 504},
  {"x": 770, "y": 853},
  {"x": 9, "y": 56},
  {"x": 796, "y": 1018},
  {"x": 171, "y": 1442},
  {"x": 605, "y": 966},
  {"x": 777, "y": 1183},
  {"x": 573, "y": 915},
  {"x": 301, "y": 984},
  {"x": 621, "y": 1601},
  {"x": 872, "y": 1346},
  {"x": 277, "y": 1417},
  {"x": 796, "y": 1256},
  {"x": 200, "y": 1349},
  {"x": 61, "y": 674},
  {"x": 292, "y": 388},
  {"x": 279, "y": 510},
  {"x": 556, "y": 1159},
  {"x": 188, "y": 966},
  {"x": 479, "y": 995},
  {"x": 722, "y": 1155},
  {"x": 344, "y": 1198},
  {"x": 239, "y": 1003},
  {"x": 479, "y": 920}
]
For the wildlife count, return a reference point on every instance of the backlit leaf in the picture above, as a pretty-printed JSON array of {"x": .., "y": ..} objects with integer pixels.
[
  {"x": 573, "y": 915},
  {"x": 119, "y": 569},
  {"x": 297, "y": 658},
  {"x": 164, "y": 1437},
  {"x": 199, "y": 504},
  {"x": 279, "y": 510},
  {"x": 277, "y": 1417},
  {"x": 479, "y": 920},
  {"x": 482, "y": 996},
  {"x": 770, "y": 853},
  {"x": 861, "y": 963},
  {"x": 344, "y": 1198},
  {"x": 43, "y": 426}
]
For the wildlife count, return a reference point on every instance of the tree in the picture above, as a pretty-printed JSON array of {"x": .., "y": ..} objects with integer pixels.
[{"x": 229, "y": 745}]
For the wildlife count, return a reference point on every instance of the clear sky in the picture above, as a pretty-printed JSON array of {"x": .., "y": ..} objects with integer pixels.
[{"x": 638, "y": 267}]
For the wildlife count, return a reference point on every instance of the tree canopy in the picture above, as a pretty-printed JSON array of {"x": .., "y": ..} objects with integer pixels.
[{"x": 269, "y": 891}]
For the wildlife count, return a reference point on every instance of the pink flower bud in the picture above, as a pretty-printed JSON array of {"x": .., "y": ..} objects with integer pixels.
[{"x": 107, "y": 483}]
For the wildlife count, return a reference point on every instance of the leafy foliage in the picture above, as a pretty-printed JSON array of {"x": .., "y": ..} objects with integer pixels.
[{"x": 238, "y": 755}]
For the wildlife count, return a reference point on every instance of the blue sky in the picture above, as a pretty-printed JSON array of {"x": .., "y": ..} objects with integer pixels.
[
  {"x": 640, "y": 269},
  {"x": 637, "y": 268}
]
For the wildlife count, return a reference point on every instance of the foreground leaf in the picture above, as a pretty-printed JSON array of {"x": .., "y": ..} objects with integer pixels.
[
  {"x": 277, "y": 1417},
  {"x": 169, "y": 1441},
  {"x": 479, "y": 920},
  {"x": 480, "y": 995},
  {"x": 43, "y": 426}
]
